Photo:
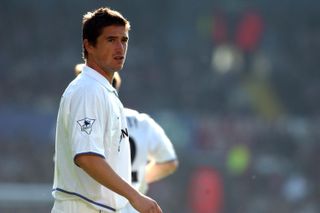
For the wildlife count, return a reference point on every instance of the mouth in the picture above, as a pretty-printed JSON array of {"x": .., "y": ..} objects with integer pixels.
[{"x": 118, "y": 58}]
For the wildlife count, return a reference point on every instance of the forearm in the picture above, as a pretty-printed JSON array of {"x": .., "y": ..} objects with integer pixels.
[
  {"x": 157, "y": 171},
  {"x": 101, "y": 171}
]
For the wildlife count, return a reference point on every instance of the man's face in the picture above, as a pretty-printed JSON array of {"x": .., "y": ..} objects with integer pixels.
[{"x": 110, "y": 50}]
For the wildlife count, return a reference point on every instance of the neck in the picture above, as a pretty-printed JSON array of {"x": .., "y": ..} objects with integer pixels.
[{"x": 107, "y": 74}]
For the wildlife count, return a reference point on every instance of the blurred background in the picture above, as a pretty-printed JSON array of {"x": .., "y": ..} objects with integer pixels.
[{"x": 235, "y": 84}]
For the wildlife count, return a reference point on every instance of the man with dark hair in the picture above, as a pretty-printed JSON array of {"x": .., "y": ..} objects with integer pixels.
[{"x": 92, "y": 152}]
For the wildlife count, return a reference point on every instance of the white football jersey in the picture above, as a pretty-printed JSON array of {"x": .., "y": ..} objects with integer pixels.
[
  {"x": 148, "y": 141},
  {"x": 90, "y": 120}
]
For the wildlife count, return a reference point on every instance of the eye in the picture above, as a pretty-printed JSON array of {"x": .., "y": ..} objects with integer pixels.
[
  {"x": 110, "y": 39},
  {"x": 125, "y": 40}
]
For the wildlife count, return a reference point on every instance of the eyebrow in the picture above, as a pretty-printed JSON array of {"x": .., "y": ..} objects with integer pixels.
[{"x": 115, "y": 37}]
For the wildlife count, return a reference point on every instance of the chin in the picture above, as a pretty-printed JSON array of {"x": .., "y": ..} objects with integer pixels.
[{"x": 118, "y": 68}]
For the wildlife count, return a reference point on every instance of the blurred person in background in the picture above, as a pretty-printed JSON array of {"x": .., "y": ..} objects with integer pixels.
[
  {"x": 92, "y": 153},
  {"x": 152, "y": 154}
]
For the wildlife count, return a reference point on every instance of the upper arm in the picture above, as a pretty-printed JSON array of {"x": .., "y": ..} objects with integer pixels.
[
  {"x": 85, "y": 160},
  {"x": 87, "y": 123}
]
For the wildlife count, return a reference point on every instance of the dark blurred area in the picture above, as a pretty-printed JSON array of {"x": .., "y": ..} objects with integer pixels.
[{"x": 235, "y": 84}]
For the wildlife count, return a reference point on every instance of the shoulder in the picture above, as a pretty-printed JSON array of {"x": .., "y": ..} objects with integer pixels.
[
  {"x": 140, "y": 117},
  {"x": 84, "y": 87},
  {"x": 130, "y": 112},
  {"x": 86, "y": 93}
]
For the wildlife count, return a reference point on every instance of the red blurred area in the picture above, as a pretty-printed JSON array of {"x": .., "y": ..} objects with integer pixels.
[
  {"x": 249, "y": 31},
  {"x": 206, "y": 191}
]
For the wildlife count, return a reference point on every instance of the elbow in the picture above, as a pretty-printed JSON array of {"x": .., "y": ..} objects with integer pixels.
[{"x": 173, "y": 166}]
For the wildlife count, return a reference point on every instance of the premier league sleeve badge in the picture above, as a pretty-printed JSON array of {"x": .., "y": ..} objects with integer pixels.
[{"x": 86, "y": 125}]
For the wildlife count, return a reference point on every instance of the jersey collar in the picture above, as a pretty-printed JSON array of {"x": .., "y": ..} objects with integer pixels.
[{"x": 98, "y": 77}]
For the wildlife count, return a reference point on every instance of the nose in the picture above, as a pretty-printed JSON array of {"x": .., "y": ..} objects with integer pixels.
[{"x": 120, "y": 46}]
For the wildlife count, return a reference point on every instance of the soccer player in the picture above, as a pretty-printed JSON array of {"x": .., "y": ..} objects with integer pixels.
[
  {"x": 152, "y": 154},
  {"x": 92, "y": 153}
]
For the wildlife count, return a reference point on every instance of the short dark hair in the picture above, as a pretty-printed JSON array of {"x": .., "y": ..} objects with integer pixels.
[{"x": 94, "y": 22}]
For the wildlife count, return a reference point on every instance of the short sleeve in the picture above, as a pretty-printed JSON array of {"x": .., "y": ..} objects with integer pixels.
[{"x": 87, "y": 122}]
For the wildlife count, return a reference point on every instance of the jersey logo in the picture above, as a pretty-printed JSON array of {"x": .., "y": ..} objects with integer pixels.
[
  {"x": 86, "y": 125},
  {"x": 124, "y": 133}
]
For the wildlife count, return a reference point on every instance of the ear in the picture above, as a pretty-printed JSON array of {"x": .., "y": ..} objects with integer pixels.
[{"x": 87, "y": 45}]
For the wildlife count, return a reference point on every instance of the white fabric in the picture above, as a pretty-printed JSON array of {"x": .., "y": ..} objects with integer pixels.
[
  {"x": 72, "y": 206},
  {"x": 90, "y": 120},
  {"x": 129, "y": 209},
  {"x": 79, "y": 206}
]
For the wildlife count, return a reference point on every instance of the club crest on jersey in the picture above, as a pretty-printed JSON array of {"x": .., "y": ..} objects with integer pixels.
[{"x": 86, "y": 125}]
